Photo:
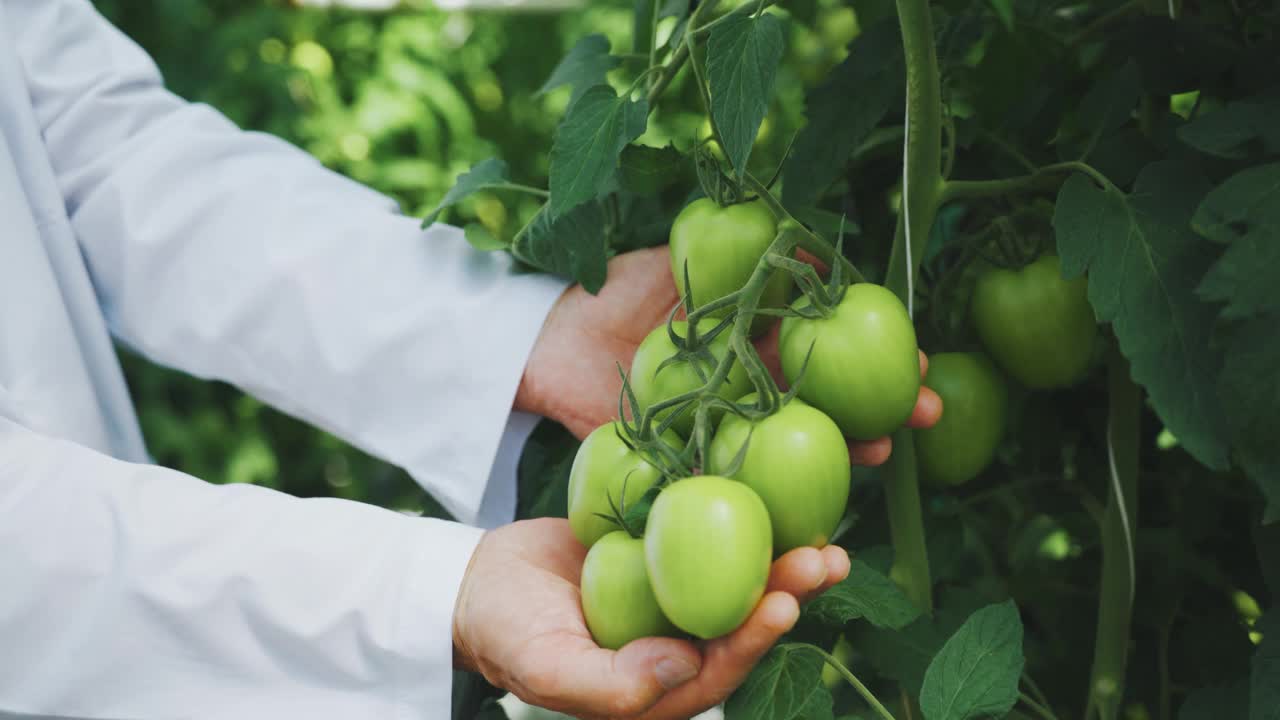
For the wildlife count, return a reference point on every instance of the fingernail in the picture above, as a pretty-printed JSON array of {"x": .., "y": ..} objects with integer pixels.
[{"x": 674, "y": 672}]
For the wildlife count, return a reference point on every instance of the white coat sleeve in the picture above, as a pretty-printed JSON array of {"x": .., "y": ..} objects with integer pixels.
[
  {"x": 134, "y": 591},
  {"x": 233, "y": 255}
]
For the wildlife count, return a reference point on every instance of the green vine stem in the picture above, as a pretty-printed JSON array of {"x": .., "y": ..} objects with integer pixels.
[
  {"x": 1115, "y": 596},
  {"x": 921, "y": 186},
  {"x": 849, "y": 677},
  {"x": 808, "y": 240},
  {"x": 1044, "y": 178}
]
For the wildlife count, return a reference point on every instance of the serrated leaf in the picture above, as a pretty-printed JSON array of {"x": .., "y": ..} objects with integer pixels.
[
  {"x": 482, "y": 175},
  {"x": 1244, "y": 212},
  {"x": 743, "y": 53},
  {"x": 572, "y": 245},
  {"x": 785, "y": 685},
  {"x": 1250, "y": 386},
  {"x": 977, "y": 671},
  {"x": 588, "y": 142},
  {"x": 586, "y": 66},
  {"x": 1264, "y": 683},
  {"x": 1228, "y": 702},
  {"x": 1240, "y": 130},
  {"x": 1144, "y": 262},
  {"x": 646, "y": 170},
  {"x": 481, "y": 239},
  {"x": 842, "y": 111},
  {"x": 865, "y": 593},
  {"x": 902, "y": 655}
]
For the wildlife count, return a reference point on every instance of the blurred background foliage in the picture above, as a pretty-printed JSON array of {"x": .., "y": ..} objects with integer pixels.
[{"x": 402, "y": 99}]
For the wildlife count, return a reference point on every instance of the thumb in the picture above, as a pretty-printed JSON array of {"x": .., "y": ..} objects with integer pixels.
[{"x": 627, "y": 682}]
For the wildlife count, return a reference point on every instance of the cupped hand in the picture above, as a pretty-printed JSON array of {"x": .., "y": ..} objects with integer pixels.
[
  {"x": 572, "y": 375},
  {"x": 519, "y": 622}
]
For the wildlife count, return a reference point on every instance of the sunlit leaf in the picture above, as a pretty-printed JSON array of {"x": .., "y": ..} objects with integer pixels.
[
  {"x": 786, "y": 685},
  {"x": 864, "y": 594},
  {"x": 572, "y": 245},
  {"x": 743, "y": 53},
  {"x": 484, "y": 174},
  {"x": 588, "y": 143},
  {"x": 586, "y": 66}
]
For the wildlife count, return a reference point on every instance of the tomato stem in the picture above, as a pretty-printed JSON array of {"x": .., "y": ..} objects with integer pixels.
[
  {"x": 1119, "y": 521},
  {"x": 1044, "y": 178},
  {"x": 921, "y": 186},
  {"x": 852, "y": 679},
  {"x": 808, "y": 240}
]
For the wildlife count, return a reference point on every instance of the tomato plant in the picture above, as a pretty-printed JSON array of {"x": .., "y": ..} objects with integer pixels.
[
  {"x": 617, "y": 599},
  {"x": 796, "y": 461},
  {"x": 863, "y": 370},
  {"x": 964, "y": 441},
  {"x": 1086, "y": 193},
  {"x": 708, "y": 548},
  {"x": 1035, "y": 323}
]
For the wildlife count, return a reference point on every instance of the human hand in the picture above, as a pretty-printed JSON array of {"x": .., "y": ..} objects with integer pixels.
[
  {"x": 518, "y": 621},
  {"x": 572, "y": 376}
]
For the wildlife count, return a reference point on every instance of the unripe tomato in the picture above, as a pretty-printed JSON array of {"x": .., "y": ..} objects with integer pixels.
[
  {"x": 722, "y": 246},
  {"x": 708, "y": 548},
  {"x": 1036, "y": 325},
  {"x": 865, "y": 368},
  {"x": 602, "y": 466},
  {"x": 973, "y": 396},
  {"x": 652, "y": 385},
  {"x": 617, "y": 599},
  {"x": 797, "y": 462},
  {"x": 843, "y": 651}
]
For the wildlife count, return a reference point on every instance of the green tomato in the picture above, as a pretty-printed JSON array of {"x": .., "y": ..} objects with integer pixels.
[
  {"x": 708, "y": 548},
  {"x": 963, "y": 442},
  {"x": 722, "y": 247},
  {"x": 603, "y": 465},
  {"x": 617, "y": 599},
  {"x": 843, "y": 652},
  {"x": 1036, "y": 325},
  {"x": 865, "y": 367},
  {"x": 652, "y": 385},
  {"x": 797, "y": 462}
]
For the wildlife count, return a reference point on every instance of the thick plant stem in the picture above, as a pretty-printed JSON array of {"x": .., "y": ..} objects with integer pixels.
[
  {"x": 921, "y": 185},
  {"x": 1119, "y": 523}
]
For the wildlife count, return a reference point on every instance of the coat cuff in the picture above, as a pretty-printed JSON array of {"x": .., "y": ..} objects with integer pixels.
[{"x": 433, "y": 579}]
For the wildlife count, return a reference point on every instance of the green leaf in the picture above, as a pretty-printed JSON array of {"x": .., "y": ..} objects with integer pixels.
[
  {"x": 542, "y": 476},
  {"x": 842, "y": 112},
  {"x": 1004, "y": 10},
  {"x": 1228, "y": 702},
  {"x": 977, "y": 671},
  {"x": 646, "y": 170},
  {"x": 573, "y": 245},
  {"x": 482, "y": 175},
  {"x": 1110, "y": 102},
  {"x": 785, "y": 685},
  {"x": 743, "y": 53},
  {"x": 1144, "y": 262},
  {"x": 902, "y": 655},
  {"x": 1240, "y": 130},
  {"x": 1250, "y": 386},
  {"x": 1264, "y": 692},
  {"x": 1244, "y": 212},
  {"x": 481, "y": 239},
  {"x": 588, "y": 142},
  {"x": 586, "y": 66},
  {"x": 864, "y": 594},
  {"x": 642, "y": 26}
]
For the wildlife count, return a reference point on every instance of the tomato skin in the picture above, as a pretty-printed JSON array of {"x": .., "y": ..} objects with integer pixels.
[
  {"x": 843, "y": 652},
  {"x": 964, "y": 441},
  {"x": 1037, "y": 326},
  {"x": 652, "y": 385},
  {"x": 797, "y": 462},
  {"x": 600, "y": 467},
  {"x": 617, "y": 599},
  {"x": 865, "y": 368},
  {"x": 722, "y": 247},
  {"x": 708, "y": 547}
]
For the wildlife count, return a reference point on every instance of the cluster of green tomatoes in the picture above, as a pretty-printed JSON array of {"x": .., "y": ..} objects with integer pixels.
[{"x": 774, "y": 474}]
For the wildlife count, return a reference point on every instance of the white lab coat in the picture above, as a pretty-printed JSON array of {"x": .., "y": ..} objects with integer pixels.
[{"x": 133, "y": 591}]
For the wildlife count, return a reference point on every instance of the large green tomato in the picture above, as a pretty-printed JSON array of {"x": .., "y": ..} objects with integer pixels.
[
  {"x": 722, "y": 247},
  {"x": 617, "y": 599},
  {"x": 1036, "y": 325},
  {"x": 865, "y": 368},
  {"x": 973, "y": 417},
  {"x": 652, "y": 385},
  {"x": 797, "y": 462},
  {"x": 603, "y": 465},
  {"x": 708, "y": 548}
]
